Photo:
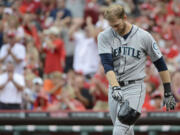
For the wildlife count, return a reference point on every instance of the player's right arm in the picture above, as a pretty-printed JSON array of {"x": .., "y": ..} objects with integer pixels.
[
  {"x": 112, "y": 78},
  {"x": 105, "y": 53}
]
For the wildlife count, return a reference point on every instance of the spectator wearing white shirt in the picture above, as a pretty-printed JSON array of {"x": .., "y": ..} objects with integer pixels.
[
  {"x": 86, "y": 58},
  {"x": 13, "y": 52},
  {"x": 11, "y": 87}
]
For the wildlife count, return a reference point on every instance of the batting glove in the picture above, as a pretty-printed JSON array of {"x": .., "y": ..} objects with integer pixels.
[
  {"x": 169, "y": 101},
  {"x": 117, "y": 94}
]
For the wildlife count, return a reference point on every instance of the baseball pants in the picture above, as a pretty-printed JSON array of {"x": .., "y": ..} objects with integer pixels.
[{"x": 135, "y": 94}]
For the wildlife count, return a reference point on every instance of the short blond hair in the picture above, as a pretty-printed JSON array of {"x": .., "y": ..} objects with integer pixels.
[{"x": 114, "y": 11}]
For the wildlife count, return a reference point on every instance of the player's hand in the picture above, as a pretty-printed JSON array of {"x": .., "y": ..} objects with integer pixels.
[
  {"x": 169, "y": 101},
  {"x": 117, "y": 94}
]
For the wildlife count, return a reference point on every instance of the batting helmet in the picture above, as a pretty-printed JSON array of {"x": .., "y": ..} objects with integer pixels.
[{"x": 126, "y": 114}]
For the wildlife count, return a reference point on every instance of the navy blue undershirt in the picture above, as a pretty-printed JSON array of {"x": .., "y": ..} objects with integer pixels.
[
  {"x": 107, "y": 61},
  {"x": 160, "y": 64}
]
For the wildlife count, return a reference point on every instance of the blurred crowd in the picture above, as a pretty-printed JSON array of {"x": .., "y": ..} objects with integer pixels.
[{"x": 49, "y": 59}]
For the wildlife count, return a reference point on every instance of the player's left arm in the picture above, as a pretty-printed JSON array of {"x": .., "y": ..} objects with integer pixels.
[
  {"x": 154, "y": 52},
  {"x": 169, "y": 100}
]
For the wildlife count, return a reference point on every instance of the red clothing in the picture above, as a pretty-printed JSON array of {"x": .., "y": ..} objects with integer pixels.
[
  {"x": 92, "y": 10},
  {"x": 170, "y": 9},
  {"x": 155, "y": 80},
  {"x": 45, "y": 7},
  {"x": 31, "y": 6},
  {"x": 54, "y": 59},
  {"x": 99, "y": 95},
  {"x": 178, "y": 106},
  {"x": 146, "y": 105},
  {"x": 34, "y": 33},
  {"x": 167, "y": 33},
  {"x": 41, "y": 103},
  {"x": 173, "y": 52},
  {"x": 78, "y": 105}
]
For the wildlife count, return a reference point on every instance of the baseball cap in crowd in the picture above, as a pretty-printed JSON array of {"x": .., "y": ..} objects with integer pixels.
[{"x": 38, "y": 80}]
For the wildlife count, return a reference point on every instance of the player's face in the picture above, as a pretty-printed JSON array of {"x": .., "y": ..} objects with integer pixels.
[{"x": 118, "y": 25}]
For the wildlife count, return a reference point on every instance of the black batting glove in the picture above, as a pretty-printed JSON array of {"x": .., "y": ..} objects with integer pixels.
[{"x": 169, "y": 100}]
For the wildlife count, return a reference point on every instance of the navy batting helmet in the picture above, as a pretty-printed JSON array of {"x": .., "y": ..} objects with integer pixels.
[{"x": 126, "y": 114}]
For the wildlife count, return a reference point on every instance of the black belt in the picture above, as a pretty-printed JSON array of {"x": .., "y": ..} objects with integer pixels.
[{"x": 124, "y": 83}]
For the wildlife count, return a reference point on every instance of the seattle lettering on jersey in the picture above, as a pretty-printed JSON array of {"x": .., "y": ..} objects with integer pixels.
[{"x": 124, "y": 50}]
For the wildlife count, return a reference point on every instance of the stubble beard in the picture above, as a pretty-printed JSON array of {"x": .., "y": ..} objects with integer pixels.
[{"x": 122, "y": 31}]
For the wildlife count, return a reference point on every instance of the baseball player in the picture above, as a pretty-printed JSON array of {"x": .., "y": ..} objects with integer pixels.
[{"x": 123, "y": 49}]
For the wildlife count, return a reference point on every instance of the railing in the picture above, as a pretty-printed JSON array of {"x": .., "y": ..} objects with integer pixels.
[
  {"x": 82, "y": 118},
  {"x": 84, "y": 130}
]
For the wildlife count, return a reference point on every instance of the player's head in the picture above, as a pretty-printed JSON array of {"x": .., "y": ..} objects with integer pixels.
[{"x": 116, "y": 17}]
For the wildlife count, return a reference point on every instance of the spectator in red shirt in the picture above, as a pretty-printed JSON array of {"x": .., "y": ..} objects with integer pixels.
[
  {"x": 41, "y": 103},
  {"x": 99, "y": 89},
  {"x": 54, "y": 50}
]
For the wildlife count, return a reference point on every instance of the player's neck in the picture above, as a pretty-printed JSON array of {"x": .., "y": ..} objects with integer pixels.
[{"x": 128, "y": 27}]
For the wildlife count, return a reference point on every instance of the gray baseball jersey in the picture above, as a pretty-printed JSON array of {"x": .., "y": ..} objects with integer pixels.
[{"x": 129, "y": 55}]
